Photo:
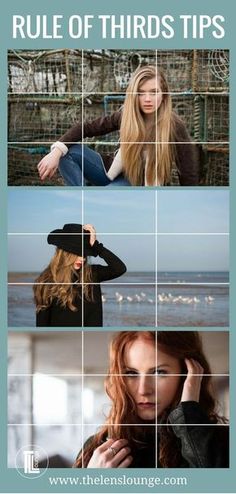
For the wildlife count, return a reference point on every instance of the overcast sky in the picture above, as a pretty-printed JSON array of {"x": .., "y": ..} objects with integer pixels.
[{"x": 126, "y": 222}]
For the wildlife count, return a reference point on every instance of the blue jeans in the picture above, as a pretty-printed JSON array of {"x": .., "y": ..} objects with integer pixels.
[{"x": 70, "y": 167}]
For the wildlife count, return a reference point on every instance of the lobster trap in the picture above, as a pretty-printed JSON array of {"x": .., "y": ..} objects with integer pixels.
[{"x": 51, "y": 90}]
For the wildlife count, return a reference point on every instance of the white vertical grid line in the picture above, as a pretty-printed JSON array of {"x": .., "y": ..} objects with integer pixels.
[
  {"x": 82, "y": 117},
  {"x": 82, "y": 333},
  {"x": 82, "y": 400},
  {"x": 156, "y": 421},
  {"x": 156, "y": 270},
  {"x": 82, "y": 193},
  {"x": 82, "y": 293},
  {"x": 155, "y": 217},
  {"x": 156, "y": 430}
]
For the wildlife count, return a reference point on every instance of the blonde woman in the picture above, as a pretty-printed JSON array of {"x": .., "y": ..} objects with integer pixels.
[
  {"x": 154, "y": 143},
  {"x": 68, "y": 292}
]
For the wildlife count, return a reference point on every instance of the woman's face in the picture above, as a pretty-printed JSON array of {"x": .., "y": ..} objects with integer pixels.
[
  {"x": 79, "y": 262},
  {"x": 150, "y": 96},
  {"x": 150, "y": 380}
]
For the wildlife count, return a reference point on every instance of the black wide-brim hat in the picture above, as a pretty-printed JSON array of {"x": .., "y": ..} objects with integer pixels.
[{"x": 71, "y": 238}]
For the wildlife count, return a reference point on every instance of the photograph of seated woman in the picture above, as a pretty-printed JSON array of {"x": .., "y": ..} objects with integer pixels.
[
  {"x": 154, "y": 142},
  {"x": 68, "y": 292},
  {"x": 163, "y": 411}
]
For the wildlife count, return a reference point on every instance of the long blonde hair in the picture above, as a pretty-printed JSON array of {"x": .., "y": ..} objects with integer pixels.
[
  {"x": 160, "y": 154},
  {"x": 65, "y": 279}
]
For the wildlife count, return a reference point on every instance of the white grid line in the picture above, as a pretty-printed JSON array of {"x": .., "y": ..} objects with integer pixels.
[
  {"x": 159, "y": 424},
  {"x": 82, "y": 401},
  {"x": 186, "y": 93},
  {"x": 112, "y": 143},
  {"x": 82, "y": 335},
  {"x": 156, "y": 265},
  {"x": 156, "y": 233},
  {"x": 124, "y": 284},
  {"x": 156, "y": 285},
  {"x": 116, "y": 375},
  {"x": 155, "y": 218}
]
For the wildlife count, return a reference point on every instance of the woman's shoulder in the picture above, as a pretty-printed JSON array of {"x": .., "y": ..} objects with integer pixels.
[
  {"x": 179, "y": 128},
  {"x": 177, "y": 120},
  {"x": 117, "y": 115}
]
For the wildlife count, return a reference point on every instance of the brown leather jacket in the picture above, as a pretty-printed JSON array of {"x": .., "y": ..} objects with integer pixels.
[{"x": 185, "y": 170}]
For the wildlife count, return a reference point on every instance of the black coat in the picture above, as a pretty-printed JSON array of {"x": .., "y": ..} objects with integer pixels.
[
  {"x": 185, "y": 170},
  {"x": 91, "y": 312},
  {"x": 199, "y": 443}
]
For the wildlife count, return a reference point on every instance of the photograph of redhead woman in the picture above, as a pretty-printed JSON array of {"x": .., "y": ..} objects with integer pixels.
[
  {"x": 128, "y": 399},
  {"x": 163, "y": 411}
]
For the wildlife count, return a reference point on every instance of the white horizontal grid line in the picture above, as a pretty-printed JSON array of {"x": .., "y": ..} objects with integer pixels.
[
  {"x": 117, "y": 375},
  {"x": 205, "y": 234},
  {"x": 112, "y": 143},
  {"x": 128, "y": 284},
  {"x": 219, "y": 424},
  {"x": 86, "y": 93}
]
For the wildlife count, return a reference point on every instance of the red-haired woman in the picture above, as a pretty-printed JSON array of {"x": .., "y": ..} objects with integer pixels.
[{"x": 163, "y": 411}]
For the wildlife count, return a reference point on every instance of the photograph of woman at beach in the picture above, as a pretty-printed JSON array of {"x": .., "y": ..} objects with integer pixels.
[
  {"x": 68, "y": 292},
  {"x": 176, "y": 256},
  {"x": 163, "y": 409},
  {"x": 153, "y": 141}
]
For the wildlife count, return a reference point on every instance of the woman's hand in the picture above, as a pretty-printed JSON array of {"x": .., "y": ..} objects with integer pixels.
[
  {"x": 91, "y": 229},
  {"x": 47, "y": 167},
  {"x": 111, "y": 454},
  {"x": 193, "y": 381}
]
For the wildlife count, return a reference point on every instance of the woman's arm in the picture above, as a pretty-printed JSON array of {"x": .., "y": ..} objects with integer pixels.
[
  {"x": 100, "y": 126},
  {"x": 201, "y": 441},
  {"x": 115, "y": 267},
  {"x": 203, "y": 445},
  {"x": 186, "y": 156},
  {"x": 47, "y": 167}
]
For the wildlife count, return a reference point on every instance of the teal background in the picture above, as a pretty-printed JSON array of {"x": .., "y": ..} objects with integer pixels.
[{"x": 204, "y": 481}]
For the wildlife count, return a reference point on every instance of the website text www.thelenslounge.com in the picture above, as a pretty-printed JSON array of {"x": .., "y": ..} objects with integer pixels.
[{"x": 122, "y": 480}]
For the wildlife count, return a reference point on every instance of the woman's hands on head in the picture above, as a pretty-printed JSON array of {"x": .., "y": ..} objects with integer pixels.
[
  {"x": 111, "y": 454},
  {"x": 193, "y": 381},
  {"x": 47, "y": 167},
  {"x": 91, "y": 229}
]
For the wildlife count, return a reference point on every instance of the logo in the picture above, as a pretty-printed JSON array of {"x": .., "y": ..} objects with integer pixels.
[
  {"x": 31, "y": 461},
  {"x": 28, "y": 461}
]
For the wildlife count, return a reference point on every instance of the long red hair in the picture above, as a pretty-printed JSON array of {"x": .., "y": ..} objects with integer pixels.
[{"x": 179, "y": 344}]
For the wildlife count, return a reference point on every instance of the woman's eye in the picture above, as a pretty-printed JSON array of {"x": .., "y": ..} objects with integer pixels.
[
  {"x": 129, "y": 373},
  {"x": 161, "y": 372}
]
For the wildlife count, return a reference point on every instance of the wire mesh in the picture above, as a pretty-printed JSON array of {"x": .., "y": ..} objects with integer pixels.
[
  {"x": 49, "y": 71},
  {"x": 46, "y": 98},
  {"x": 24, "y": 160},
  {"x": 42, "y": 119}
]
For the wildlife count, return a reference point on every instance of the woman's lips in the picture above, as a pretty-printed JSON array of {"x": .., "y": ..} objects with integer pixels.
[{"x": 146, "y": 405}]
